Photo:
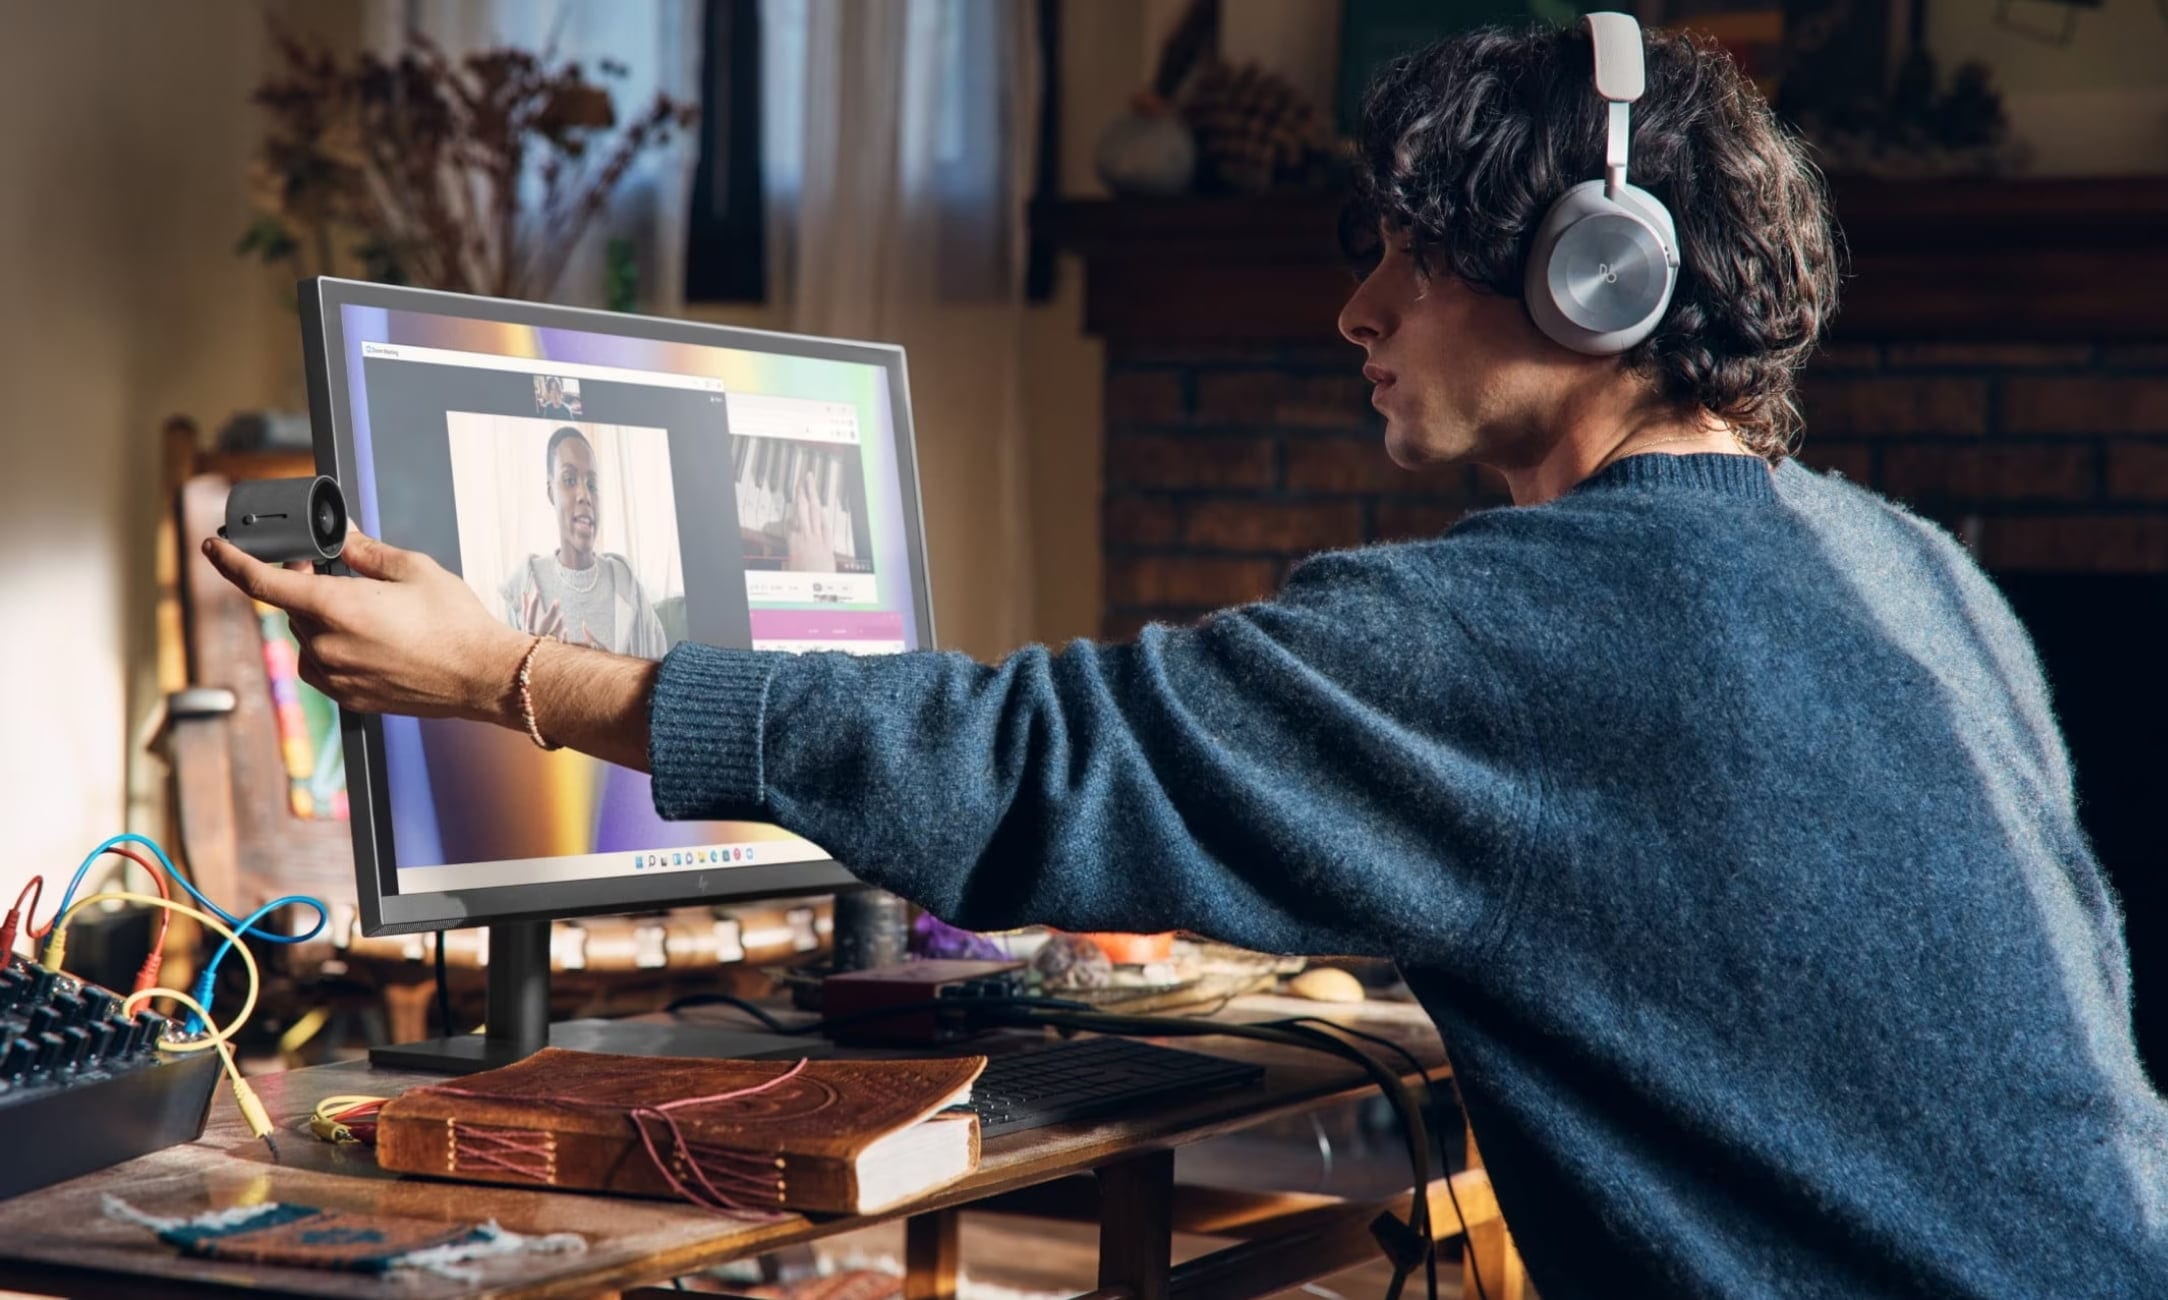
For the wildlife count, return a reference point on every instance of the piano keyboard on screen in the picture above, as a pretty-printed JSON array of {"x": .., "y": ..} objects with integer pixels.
[{"x": 768, "y": 473}]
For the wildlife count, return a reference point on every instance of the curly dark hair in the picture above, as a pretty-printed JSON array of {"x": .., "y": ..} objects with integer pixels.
[{"x": 1465, "y": 145}]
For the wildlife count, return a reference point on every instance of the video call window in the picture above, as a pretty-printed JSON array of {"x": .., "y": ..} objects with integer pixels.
[{"x": 570, "y": 530}]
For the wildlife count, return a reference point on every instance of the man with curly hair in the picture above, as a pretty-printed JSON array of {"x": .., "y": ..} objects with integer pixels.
[{"x": 1713, "y": 807}]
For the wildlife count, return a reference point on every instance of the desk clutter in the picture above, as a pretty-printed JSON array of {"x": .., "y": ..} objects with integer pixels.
[
  {"x": 90, "y": 1077},
  {"x": 882, "y": 1099},
  {"x": 1113, "y": 972}
]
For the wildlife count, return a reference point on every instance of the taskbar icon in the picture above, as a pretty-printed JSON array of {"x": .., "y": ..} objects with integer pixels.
[{"x": 691, "y": 858}]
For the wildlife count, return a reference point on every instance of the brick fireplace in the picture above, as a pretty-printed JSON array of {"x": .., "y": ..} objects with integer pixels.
[
  {"x": 1225, "y": 463},
  {"x": 1223, "y": 466},
  {"x": 2000, "y": 363},
  {"x": 2045, "y": 457}
]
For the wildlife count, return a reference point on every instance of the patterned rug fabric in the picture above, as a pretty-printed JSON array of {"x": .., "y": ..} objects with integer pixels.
[
  {"x": 313, "y": 1238},
  {"x": 309, "y": 1237}
]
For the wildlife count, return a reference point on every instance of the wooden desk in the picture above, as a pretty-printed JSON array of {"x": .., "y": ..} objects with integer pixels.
[{"x": 58, "y": 1241}]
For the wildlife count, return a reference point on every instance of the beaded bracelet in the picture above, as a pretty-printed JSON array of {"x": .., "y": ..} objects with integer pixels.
[{"x": 526, "y": 696}]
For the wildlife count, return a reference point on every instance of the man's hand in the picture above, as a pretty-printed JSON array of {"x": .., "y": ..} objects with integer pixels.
[{"x": 403, "y": 636}]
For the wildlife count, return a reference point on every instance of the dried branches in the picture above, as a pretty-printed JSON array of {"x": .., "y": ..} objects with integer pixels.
[{"x": 478, "y": 175}]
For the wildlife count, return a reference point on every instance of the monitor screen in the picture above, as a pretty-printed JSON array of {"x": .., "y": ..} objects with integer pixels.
[{"x": 617, "y": 482}]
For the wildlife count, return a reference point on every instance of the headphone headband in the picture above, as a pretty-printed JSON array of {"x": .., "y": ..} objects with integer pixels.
[
  {"x": 1620, "y": 76},
  {"x": 1620, "y": 79}
]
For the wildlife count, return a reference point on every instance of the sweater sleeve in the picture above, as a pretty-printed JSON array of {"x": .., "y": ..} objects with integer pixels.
[{"x": 1324, "y": 772}]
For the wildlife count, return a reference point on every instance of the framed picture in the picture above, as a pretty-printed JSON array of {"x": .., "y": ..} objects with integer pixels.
[{"x": 1814, "y": 60}]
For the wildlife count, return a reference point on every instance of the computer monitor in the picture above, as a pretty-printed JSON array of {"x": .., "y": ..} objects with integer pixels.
[{"x": 729, "y": 486}]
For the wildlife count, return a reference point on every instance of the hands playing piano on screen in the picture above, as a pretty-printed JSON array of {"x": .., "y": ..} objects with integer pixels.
[{"x": 812, "y": 543}]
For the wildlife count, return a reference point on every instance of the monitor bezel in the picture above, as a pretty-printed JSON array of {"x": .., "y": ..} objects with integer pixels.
[{"x": 321, "y": 301}]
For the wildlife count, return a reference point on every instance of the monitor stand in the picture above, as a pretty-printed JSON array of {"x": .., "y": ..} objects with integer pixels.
[{"x": 517, "y": 1024}]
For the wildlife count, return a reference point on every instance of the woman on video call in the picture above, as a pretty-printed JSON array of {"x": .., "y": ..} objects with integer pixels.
[{"x": 575, "y": 593}]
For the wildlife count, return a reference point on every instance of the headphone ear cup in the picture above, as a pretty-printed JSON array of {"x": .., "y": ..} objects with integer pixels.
[
  {"x": 1601, "y": 273},
  {"x": 1607, "y": 273}
]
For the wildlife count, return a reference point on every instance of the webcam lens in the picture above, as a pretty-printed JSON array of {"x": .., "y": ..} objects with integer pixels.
[{"x": 327, "y": 518}]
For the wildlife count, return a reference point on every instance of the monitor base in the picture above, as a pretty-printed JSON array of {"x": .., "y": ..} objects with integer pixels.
[
  {"x": 518, "y": 1009},
  {"x": 472, "y": 1053}
]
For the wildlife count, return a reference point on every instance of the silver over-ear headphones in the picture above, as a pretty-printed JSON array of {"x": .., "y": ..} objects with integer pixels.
[{"x": 1606, "y": 256}]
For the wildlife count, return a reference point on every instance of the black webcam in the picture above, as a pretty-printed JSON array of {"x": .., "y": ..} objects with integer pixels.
[{"x": 282, "y": 519}]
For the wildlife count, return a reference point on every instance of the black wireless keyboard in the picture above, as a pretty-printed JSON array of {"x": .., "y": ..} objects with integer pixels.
[
  {"x": 1090, "y": 1077},
  {"x": 81, "y": 1087}
]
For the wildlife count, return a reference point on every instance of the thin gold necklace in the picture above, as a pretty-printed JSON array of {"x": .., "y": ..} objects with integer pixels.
[{"x": 593, "y": 574}]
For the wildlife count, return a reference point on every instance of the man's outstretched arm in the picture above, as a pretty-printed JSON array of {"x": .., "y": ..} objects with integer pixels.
[
  {"x": 1325, "y": 771},
  {"x": 1318, "y": 772}
]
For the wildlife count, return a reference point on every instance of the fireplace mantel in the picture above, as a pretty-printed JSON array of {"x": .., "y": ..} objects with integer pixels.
[{"x": 1972, "y": 260}]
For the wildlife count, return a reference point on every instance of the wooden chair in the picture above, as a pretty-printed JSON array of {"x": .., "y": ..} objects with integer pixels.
[
  {"x": 242, "y": 845},
  {"x": 228, "y": 825},
  {"x": 225, "y": 754}
]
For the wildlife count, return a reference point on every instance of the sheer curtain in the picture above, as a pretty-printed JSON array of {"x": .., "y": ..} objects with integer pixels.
[
  {"x": 898, "y": 156},
  {"x": 658, "y": 42}
]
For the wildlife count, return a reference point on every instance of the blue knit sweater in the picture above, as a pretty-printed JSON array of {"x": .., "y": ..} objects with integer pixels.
[{"x": 1717, "y": 816}]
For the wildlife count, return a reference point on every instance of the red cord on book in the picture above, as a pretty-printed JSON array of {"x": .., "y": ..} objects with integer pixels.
[{"x": 528, "y": 1154}]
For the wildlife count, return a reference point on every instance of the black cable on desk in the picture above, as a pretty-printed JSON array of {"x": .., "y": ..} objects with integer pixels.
[
  {"x": 1475, "y": 1273},
  {"x": 753, "y": 1009},
  {"x": 1296, "y": 1034}
]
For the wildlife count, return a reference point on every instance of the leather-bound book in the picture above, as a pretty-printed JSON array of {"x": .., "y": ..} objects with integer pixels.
[{"x": 840, "y": 1137}]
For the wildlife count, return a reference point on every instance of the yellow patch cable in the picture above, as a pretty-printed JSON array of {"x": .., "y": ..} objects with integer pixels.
[{"x": 213, "y": 1038}]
